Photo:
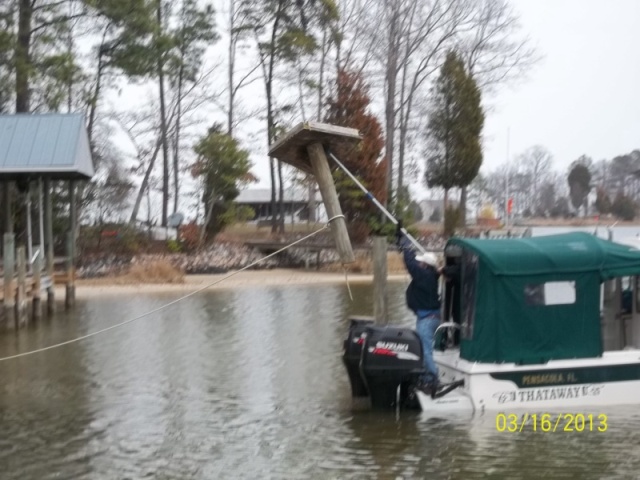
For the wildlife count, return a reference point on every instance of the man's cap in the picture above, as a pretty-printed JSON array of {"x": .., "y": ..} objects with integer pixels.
[{"x": 428, "y": 258}]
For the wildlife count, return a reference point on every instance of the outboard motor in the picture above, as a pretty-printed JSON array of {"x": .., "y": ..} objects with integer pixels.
[
  {"x": 392, "y": 358},
  {"x": 351, "y": 354}
]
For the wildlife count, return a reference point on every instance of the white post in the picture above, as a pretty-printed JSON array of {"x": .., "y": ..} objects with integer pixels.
[
  {"x": 41, "y": 219},
  {"x": 29, "y": 233}
]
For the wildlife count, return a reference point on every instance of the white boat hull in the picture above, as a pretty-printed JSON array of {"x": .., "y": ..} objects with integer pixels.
[{"x": 613, "y": 379}]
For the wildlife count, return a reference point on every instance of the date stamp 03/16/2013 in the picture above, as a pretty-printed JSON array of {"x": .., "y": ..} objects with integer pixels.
[{"x": 551, "y": 422}]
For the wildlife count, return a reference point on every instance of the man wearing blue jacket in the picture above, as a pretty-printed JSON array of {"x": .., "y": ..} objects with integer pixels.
[{"x": 424, "y": 301}]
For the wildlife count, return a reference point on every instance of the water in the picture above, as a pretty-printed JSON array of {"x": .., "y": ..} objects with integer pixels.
[
  {"x": 619, "y": 233},
  {"x": 249, "y": 384}
]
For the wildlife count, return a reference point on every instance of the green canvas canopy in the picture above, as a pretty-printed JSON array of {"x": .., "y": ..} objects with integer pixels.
[{"x": 531, "y": 300}]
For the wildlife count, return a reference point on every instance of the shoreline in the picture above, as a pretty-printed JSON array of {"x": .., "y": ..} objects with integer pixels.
[{"x": 91, "y": 288}]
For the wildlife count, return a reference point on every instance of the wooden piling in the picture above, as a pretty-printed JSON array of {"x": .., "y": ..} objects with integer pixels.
[
  {"x": 21, "y": 290},
  {"x": 70, "y": 297},
  {"x": 329, "y": 194},
  {"x": 8, "y": 260},
  {"x": 37, "y": 286},
  {"x": 8, "y": 210},
  {"x": 48, "y": 245},
  {"x": 70, "y": 288},
  {"x": 379, "y": 254}
]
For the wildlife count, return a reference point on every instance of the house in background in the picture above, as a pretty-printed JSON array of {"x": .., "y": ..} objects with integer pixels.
[{"x": 295, "y": 203}]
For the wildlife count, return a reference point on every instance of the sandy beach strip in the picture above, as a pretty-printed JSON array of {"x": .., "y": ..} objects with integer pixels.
[{"x": 245, "y": 279}]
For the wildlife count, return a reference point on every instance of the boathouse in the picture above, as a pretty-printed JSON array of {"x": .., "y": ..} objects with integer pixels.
[{"x": 40, "y": 155}]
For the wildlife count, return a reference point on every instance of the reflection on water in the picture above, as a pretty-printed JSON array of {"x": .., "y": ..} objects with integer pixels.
[{"x": 249, "y": 384}]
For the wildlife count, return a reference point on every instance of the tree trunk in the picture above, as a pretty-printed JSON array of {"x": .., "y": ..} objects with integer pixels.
[
  {"x": 92, "y": 118},
  {"x": 22, "y": 57},
  {"x": 163, "y": 127},
  {"x": 176, "y": 151},
  {"x": 445, "y": 212},
  {"x": 280, "y": 199},
  {"x": 71, "y": 77},
  {"x": 272, "y": 168},
  {"x": 274, "y": 218},
  {"x": 208, "y": 208},
  {"x": 323, "y": 56},
  {"x": 271, "y": 125},
  {"x": 462, "y": 208},
  {"x": 144, "y": 184},
  {"x": 232, "y": 65},
  {"x": 96, "y": 96},
  {"x": 390, "y": 107}
]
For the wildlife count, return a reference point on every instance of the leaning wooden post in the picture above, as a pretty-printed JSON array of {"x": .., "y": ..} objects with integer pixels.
[
  {"x": 380, "y": 280},
  {"x": 329, "y": 194},
  {"x": 8, "y": 260},
  {"x": 37, "y": 285}
]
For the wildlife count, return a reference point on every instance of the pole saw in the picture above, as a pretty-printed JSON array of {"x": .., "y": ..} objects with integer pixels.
[{"x": 375, "y": 201}]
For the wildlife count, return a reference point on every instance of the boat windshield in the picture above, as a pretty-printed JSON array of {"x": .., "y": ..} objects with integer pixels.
[{"x": 468, "y": 283}]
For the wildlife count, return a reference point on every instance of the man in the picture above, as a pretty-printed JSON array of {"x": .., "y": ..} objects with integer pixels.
[{"x": 424, "y": 301}]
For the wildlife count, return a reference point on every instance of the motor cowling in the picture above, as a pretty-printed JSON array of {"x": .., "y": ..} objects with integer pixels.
[
  {"x": 352, "y": 353},
  {"x": 391, "y": 363}
]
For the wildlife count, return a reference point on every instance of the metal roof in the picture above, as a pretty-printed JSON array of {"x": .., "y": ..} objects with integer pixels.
[
  {"x": 54, "y": 145},
  {"x": 569, "y": 254},
  {"x": 263, "y": 195}
]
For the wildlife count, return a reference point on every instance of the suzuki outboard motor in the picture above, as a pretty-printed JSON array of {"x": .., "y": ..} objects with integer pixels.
[
  {"x": 351, "y": 354},
  {"x": 392, "y": 362}
]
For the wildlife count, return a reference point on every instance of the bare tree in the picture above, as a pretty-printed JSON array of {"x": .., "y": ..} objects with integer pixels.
[
  {"x": 495, "y": 50},
  {"x": 357, "y": 35},
  {"x": 433, "y": 27},
  {"x": 238, "y": 31},
  {"x": 535, "y": 163}
]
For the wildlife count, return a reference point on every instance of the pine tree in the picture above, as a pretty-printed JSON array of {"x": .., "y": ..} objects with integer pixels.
[
  {"x": 349, "y": 107},
  {"x": 456, "y": 119},
  {"x": 223, "y": 166},
  {"x": 579, "y": 180}
]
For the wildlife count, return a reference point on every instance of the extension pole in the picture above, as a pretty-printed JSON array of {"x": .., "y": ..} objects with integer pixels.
[{"x": 376, "y": 202}]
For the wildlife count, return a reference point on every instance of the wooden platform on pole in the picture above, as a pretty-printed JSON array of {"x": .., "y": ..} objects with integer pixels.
[{"x": 303, "y": 147}]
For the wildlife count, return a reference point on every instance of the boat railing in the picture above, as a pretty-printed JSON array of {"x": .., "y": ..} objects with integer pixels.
[{"x": 446, "y": 326}]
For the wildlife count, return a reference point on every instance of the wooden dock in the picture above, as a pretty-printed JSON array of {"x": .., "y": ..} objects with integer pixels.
[
  {"x": 59, "y": 278},
  {"x": 24, "y": 285}
]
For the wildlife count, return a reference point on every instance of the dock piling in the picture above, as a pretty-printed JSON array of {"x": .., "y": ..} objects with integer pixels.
[
  {"x": 48, "y": 245},
  {"x": 70, "y": 287},
  {"x": 379, "y": 255},
  {"x": 21, "y": 290},
  {"x": 8, "y": 259},
  {"x": 37, "y": 285}
]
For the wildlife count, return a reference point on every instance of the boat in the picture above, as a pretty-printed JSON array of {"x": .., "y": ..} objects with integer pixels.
[{"x": 536, "y": 323}]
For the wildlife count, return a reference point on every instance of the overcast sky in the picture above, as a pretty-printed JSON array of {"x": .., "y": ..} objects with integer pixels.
[{"x": 584, "y": 95}]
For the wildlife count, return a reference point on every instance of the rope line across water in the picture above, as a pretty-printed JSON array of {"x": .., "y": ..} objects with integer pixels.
[{"x": 173, "y": 302}]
